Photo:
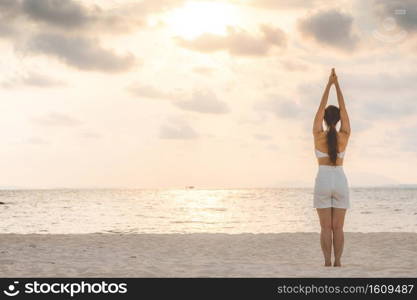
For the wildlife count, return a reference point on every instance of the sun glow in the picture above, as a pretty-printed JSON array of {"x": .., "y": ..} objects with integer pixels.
[{"x": 196, "y": 18}]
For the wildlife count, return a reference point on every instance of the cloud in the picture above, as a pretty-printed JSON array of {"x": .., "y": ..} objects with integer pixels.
[
  {"x": 332, "y": 28},
  {"x": 6, "y": 30},
  {"x": 382, "y": 95},
  {"x": 203, "y": 101},
  {"x": 64, "y": 13},
  {"x": 148, "y": 91},
  {"x": 280, "y": 106},
  {"x": 384, "y": 82},
  {"x": 252, "y": 119},
  {"x": 358, "y": 124},
  {"x": 90, "y": 135},
  {"x": 36, "y": 141},
  {"x": 9, "y": 8},
  {"x": 394, "y": 107},
  {"x": 294, "y": 66},
  {"x": 79, "y": 52},
  {"x": 407, "y": 21},
  {"x": 74, "y": 15},
  {"x": 69, "y": 30},
  {"x": 57, "y": 119},
  {"x": 284, "y": 4},
  {"x": 203, "y": 70},
  {"x": 31, "y": 79},
  {"x": 177, "y": 130},
  {"x": 272, "y": 147},
  {"x": 237, "y": 41},
  {"x": 262, "y": 137}
]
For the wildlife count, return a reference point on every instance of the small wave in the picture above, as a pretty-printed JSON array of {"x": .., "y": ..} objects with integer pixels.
[
  {"x": 192, "y": 222},
  {"x": 113, "y": 231},
  {"x": 215, "y": 209},
  {"x": 150, "y": 217}
]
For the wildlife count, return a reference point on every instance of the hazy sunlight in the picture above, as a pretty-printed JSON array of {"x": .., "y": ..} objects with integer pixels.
[{"x": 194, "y": 19}]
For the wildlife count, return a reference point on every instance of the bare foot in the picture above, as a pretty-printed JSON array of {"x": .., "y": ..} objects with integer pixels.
[
  {"x": 328, "y": 264},
  {"x": 337, "y": 263}
]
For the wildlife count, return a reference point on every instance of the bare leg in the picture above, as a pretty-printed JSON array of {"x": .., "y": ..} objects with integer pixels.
[
  {"x": 325, "y": 216},
  {"x": 338, "y": 219}
]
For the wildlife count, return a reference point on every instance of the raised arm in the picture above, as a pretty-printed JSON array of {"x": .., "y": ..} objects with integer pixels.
[
  {"x": 318, "y": 119},
  {"x": 344, "y": 118}
]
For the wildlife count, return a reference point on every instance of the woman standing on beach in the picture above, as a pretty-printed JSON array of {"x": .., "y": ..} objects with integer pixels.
[{"x": 331, "y": 190}]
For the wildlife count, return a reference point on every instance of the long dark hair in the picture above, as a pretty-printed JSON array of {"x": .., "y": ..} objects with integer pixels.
[{"x": 331, "y": 117}]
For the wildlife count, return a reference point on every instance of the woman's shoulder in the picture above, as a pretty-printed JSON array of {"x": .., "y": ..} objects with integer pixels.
[{"x": 320, "y": 133}]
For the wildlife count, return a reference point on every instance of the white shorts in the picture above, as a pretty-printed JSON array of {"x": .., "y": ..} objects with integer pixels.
[{"x": 331, "y": 188}]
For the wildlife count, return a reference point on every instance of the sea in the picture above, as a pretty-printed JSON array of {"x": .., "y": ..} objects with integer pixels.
[{"x": 193, "y": 210}]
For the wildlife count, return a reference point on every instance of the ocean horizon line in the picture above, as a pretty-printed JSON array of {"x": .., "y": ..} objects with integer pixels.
[{"x": 11, "y": 188}]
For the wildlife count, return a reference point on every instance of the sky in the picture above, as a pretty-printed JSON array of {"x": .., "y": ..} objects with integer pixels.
[{"x": 214, "y": 94}]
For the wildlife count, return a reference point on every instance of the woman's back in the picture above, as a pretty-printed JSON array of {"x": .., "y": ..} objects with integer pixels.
[{"x": 321, "y": 148}]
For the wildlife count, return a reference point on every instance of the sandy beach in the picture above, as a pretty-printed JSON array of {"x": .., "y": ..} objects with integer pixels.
[{"x": 204, "y": 255}]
